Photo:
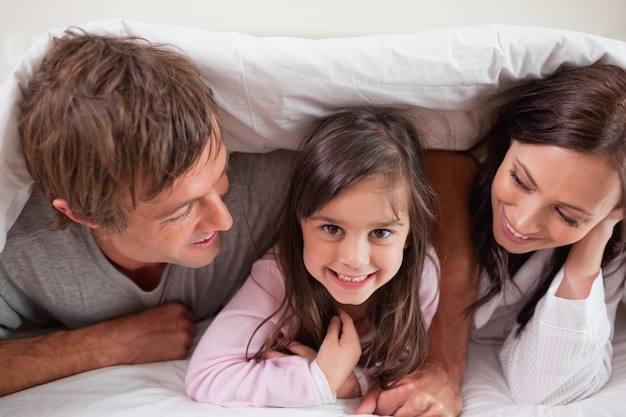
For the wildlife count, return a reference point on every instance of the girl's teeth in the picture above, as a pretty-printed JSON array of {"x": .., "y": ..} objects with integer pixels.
[{"x": 349, "y": 279}]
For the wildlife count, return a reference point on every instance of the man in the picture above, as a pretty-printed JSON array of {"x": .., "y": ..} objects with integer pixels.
[
  {"x": 120, "y": 246},
  {"x": 120, "y": 238}
]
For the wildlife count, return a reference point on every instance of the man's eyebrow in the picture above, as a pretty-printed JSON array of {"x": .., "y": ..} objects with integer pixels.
[
  {"x": 189, "y": 202},
  {"x": 562, "y": 203},
  {"x": 177, "y": 208}
]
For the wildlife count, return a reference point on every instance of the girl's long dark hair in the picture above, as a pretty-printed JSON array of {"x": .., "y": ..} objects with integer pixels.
[
  {"x": 582, "y": 109},
  {"x": 340, "y": 151}
]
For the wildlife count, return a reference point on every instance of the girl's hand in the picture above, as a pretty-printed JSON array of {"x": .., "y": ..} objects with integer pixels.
[
  {"x": 296, "y": 348},
  {"x": 350, "y": 387},
  {"x": 585, "y": 258},
  {"x": 340, "y": 352}
]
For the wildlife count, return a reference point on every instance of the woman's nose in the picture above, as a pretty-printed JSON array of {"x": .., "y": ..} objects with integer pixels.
[{"x": 526, "y": 218}]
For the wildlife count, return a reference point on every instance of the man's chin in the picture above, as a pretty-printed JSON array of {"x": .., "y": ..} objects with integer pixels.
[{"x": 202, "y": 261}]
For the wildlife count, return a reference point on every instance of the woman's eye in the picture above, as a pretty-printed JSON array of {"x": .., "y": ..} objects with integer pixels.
[
  {"x": 380, "y": 233},
  {"x": 517, "y": 181},
  {"x": 566, "y": 219},
  {"x": 331, "y": 229}
]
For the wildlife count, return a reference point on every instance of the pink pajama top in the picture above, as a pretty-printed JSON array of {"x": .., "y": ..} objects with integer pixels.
[{"x": 220, "y": 373}]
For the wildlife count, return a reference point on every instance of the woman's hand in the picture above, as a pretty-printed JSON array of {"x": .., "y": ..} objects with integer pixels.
[{"x": 585, "y": 258}]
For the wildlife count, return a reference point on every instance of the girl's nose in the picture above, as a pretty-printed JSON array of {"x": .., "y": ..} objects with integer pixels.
[{"x": 354, "y": 252}]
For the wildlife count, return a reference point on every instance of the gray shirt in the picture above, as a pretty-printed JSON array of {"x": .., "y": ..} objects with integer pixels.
[{"x": 61, "y": 278}]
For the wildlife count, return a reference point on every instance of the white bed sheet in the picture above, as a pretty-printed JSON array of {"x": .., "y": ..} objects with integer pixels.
[
  {"x": 268, "y": 88},
  {"x": 158, "y": 390}
]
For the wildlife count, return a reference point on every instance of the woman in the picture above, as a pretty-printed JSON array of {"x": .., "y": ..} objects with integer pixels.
[{"x": 549, "y": 204}]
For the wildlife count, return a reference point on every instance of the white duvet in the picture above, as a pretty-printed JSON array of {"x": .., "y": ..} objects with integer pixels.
[
  {"x": 158, "y": 390},
  {"x": 268, "y": 87}
]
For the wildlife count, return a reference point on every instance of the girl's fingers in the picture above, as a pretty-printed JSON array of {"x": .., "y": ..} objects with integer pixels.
[
  {"x": 302, "y": 350},
  {"x": 334, "y": 328},
  {"x": 271, "y": 354},
  {"x": 348, "y": 329}
]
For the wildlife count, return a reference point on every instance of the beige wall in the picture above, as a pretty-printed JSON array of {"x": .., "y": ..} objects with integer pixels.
[{"x": 23, "y": 21}]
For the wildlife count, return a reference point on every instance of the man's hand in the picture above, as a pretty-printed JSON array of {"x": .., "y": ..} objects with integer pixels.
[
  {"x": 435, "y": 389},
  {"x": 426, "y": 393},
  {"x": 157, "y": 334},
  {"x": 154, "y": 335}
]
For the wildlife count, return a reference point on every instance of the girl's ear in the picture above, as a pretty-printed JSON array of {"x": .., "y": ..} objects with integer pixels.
[{"x": 62, "y": 205}]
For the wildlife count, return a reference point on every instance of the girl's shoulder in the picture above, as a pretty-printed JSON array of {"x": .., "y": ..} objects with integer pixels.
[
  {"x": 267, "y": 275},
  {"x": 431, "y": 262}
]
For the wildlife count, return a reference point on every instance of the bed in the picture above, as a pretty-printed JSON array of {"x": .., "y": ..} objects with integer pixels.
[{"x": 268, "y": 88}]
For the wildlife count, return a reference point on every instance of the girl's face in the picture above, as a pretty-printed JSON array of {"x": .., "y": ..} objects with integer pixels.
[
  {"x": 355, "y": 243},
  {"x": 547, "y": 196}
]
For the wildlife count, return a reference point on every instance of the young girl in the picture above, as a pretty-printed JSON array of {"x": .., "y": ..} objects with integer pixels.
[
  {"x": 547, "y": 203},
  {"x": 345, "y": 299}
]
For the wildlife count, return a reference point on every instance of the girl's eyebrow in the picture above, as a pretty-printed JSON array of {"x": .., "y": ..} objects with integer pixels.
[
  {"x": 534, "y": 184},
  {"x": 335, "y": 221}
]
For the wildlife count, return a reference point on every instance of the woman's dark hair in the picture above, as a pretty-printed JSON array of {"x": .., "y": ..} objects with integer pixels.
[{"x": 582, "y": 109}]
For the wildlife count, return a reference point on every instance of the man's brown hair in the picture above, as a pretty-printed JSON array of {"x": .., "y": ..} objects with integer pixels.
[{"x": 104, "y": 115}]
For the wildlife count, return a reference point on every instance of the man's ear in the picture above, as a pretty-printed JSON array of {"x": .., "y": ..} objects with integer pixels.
[{"x": 62, "y": 205}]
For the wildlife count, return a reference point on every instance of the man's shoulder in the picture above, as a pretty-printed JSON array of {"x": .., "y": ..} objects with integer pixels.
[
  {"x": 37, "y": 216},
  {"x": 34, "y": 232},
  {"x": 258, "y": 186},
  {"x": 250, "y": 167}
]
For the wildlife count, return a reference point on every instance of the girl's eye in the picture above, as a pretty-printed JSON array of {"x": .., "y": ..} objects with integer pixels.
[
  {"x": 517, "y": 181},
  {"x": 380, "y": 233},
  {"x": 331, "y": 229},
  {"x": 566, "y": 219}
]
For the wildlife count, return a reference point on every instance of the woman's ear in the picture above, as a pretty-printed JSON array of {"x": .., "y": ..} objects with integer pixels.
[
  {"x": 617, "y": 213},
  {"x": 62, "y": 205}
]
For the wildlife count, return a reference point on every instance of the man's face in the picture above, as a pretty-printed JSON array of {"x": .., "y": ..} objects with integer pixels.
[{"x": 180, "y": 226}]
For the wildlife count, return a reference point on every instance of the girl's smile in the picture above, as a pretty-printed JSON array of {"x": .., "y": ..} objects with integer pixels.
[
  {"x": 351, "y": 281},
  {"x": 355, "y": 243}
]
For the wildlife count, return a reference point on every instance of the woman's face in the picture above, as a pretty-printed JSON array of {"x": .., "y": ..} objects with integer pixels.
[{"x": 547, "y": 196}]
